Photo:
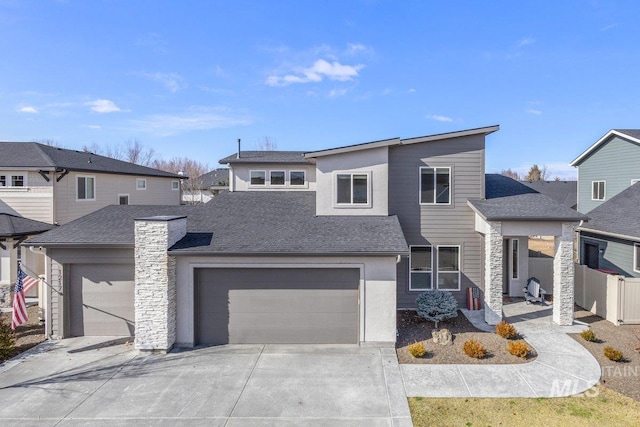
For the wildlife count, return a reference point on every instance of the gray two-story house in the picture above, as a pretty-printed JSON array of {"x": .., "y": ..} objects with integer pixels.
[
  {"x": 308, "y": 247},
  {"x": 609, "y": 193}
]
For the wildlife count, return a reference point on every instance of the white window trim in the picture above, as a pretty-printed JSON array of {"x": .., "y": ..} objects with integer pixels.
[
  {"x": 138, "y": 180},
  {"x": 351, "y": 205},
  {"x": 449, "y": 272},
  {"x": 633, "y": 181},
  {"x": 177, "y": 187},
  {"x": 284, "y": 178},
  {"x": 514, "y": 264},
  {"x": 94, "y": 188},
  {"x": 435, "y": 195},
  {"x": 9, "y": 180},
  {"x": 258, "y": 185},
  {"x": 431, "y": 281},
  {"x": 636, "y": 249},
  {"x": 124, "y": 195},
  {"x": 604, "y": 190},
  {"x": 306, "y": 182}
]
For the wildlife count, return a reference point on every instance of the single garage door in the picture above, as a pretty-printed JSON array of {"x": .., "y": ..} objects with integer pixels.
[
  {"x": 101, "y": 300},
  {"x": 276, "y": 305}
]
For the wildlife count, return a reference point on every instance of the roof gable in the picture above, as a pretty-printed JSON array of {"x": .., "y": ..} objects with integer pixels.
[
  {"x": 618, "y": 216},
  {"x": 632, "y": 135}
]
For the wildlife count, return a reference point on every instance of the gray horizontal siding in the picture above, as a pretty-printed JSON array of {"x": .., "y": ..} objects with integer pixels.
[
  {"x": 438, "y": 224},
  {"x": 617, "y": 254},
  {"x": 617, "y": 162}
]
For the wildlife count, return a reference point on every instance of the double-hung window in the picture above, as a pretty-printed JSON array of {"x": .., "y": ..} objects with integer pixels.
[
  {"x": 435, "y": 186},
  {"x": 352, "y": 189},
  {"x": 420, "y": 266},
  {"x": 12, "y": 180},
  {"x": 449, "y": 268},
  {"x": 597, "y": 190},
  {"x": 86, "y": 188}
]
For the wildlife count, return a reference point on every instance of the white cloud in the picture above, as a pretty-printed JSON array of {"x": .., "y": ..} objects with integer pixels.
[
  {"x": 526, "y": 41},
  {"x": 412, "y": 90},
  {"x": 439, "y": 118},
  {"x": 317, "y": 72},
  {"x": 337, "y": 92},
  {"x": 172, "y": 81},
  {"x": 193, "y": 120},
  {"x": 103, "y": 106},
  {"x": 608, "y": 27},
  {"x": 533, "y": 111},
  {"x": 28, "y": 109},
  {"x": 98, "y": 127},
  {"x": 358, "y": 49}
]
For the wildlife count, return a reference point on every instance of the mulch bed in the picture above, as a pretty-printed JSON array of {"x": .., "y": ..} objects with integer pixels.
[
  {"x": 412, "y": 327},
  {"x": 27, "y": 335},
  {"x": 624, "y": 376}
]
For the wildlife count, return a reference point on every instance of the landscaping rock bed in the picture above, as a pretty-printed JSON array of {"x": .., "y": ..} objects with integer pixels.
[{"x": 412, "y": 327}]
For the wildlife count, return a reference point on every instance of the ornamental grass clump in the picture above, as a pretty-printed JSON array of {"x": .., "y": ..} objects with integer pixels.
[
  {"x": 506, "y": 330},
  {"x": 588, "y": 335},
  {"x": 518, "y": 348},
  {"x": 437, "y": 306},
  {"x": 417, "y": 349},
  {"x": 613, "y": 354},
  {"x": 473, "y": 348}
]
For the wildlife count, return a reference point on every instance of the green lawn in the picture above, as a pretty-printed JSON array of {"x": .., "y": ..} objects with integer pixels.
[{"x": 607, "y": 408}]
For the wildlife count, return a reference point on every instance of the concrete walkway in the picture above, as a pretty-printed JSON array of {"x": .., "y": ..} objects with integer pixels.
[{"x": 563, "y": 366}]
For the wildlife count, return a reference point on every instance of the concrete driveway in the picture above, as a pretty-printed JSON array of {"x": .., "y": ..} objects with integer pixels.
[{"x": 82, "y": 381}]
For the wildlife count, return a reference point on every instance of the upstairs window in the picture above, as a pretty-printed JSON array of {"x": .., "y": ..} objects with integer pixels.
[
  {"x": 17, "y": 180},
  {"x": 449, "y": 268},
  {"x": 276, "y": 177},
  {"x": 123, "y": 199},
  {"x": 258, "y": 177},
  {"x": 3, "y": 180},
  {"x": 175, "y": 185},
  {"x": 297, "y": 178},
  {"x": 435, "y": 186},
  {"x": 141, "y": 184},
  {"x": 12, "y": 180},
  {"x": 86, "y": 186},
  {"x": 420, "y": 266},
  {"x": 597, "y": 190},
  {"x": 636, "y": 257},
  {"x": 352, "y": 189}
]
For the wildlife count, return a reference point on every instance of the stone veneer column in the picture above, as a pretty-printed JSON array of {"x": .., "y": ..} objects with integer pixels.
[
  {"x": 155, "y": 281},
  {"x": 493, "y": 259},
  {"x": 563, "y": 277}
]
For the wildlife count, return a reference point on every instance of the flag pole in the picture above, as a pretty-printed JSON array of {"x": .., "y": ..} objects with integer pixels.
[{"x": 40, "y": 278}]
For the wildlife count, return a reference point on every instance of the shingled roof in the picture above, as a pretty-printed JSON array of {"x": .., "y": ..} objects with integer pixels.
[
  {"x": 508, "y": 199},
  {"x": 293, "y": 157},
  {"x": 565, "y": 192},
  {"x": 618, "y": 216},
  {"x": 242, "y": 223},
  {"x": 214, "y": 178},
  {"x": 36, "y": 155},
  {"x": 17, "y": 226}
]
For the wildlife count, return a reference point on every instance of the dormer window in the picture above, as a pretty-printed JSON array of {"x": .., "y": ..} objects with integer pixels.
[
  {"x": 276, "y": 177},
  {"x": 352, "y": 189},
  {"x": 258, "y": 177}
]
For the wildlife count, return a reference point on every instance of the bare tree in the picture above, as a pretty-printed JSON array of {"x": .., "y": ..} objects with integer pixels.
[
  {"x": 189, "y": 168},
  {"x": 50, "y": 142},
  {"x": 266, "y": 144},
  {"x": 133, "y": 151},
  {"x": 511, "y": 174},
  {"x": 536, "y": 174}
]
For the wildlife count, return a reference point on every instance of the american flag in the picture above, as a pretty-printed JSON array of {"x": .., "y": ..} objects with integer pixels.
[{"x": 20, "y": 315}]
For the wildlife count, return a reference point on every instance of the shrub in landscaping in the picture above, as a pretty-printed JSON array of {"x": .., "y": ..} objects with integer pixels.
[
  {"x": 437, "y": 306},
  {"x": 613, "y": 354},
  {"x": 7, "y": 340},
  {"x": 417, "y": 349},
  {"x": 518, "y": 348},
  {"x": 473, "y": 348},
  {"x": 506, "y": 330},
  {"x": 588, "y": 335}
]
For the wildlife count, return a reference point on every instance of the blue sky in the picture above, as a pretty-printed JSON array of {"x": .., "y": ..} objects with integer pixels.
[{"x": 189, "y": 78}]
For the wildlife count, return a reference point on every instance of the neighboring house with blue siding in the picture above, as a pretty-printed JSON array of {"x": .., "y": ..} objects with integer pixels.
[
  {"x": 608, "y": 167},
  {"x": 609, "y": 194}
]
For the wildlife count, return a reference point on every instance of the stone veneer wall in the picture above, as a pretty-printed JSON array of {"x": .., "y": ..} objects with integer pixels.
[
  {"x": 563, "y": 276},
  {"x": 493, "y": 250},
  {"x": 155, "y": 281}
]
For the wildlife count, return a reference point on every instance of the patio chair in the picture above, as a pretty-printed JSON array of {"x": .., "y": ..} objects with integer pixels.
[{"x": 533, "y": 292}]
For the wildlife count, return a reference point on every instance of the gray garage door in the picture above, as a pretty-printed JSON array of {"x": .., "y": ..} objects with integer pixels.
[
  {"x": 101, "y": 300},
  {"x": 278, "y": 306}
]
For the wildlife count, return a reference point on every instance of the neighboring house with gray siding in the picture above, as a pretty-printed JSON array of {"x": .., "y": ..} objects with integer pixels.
[
  {"x": 608, "y": 167},
  {"x": 315, "y": 247},
  {"x": 205, "y": 187},
  {"x": 53, "y": 185},
  {"x": 608, "y": 173}
]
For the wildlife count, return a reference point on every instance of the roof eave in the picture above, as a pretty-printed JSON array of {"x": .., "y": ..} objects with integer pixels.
[
  {"x": 181, "y": 252},
  {"x": 610, "y": 234},
  {"x": 352, "y": 148},
  {"x": 458, "y": 134},
  {"x": 578, "y": 160},
  {"x": 79, "y": 245}
]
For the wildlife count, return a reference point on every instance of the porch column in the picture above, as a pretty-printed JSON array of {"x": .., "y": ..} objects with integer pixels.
[
  {"x": 8, "y": 272},
  {"x": 493, "y": 259},
  {"x": 563, "y": 276},
  {"x": 155, "y": 281}
]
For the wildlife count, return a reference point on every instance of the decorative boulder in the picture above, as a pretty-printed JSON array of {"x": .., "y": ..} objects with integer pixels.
[{"x": 442, "y": 336}]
